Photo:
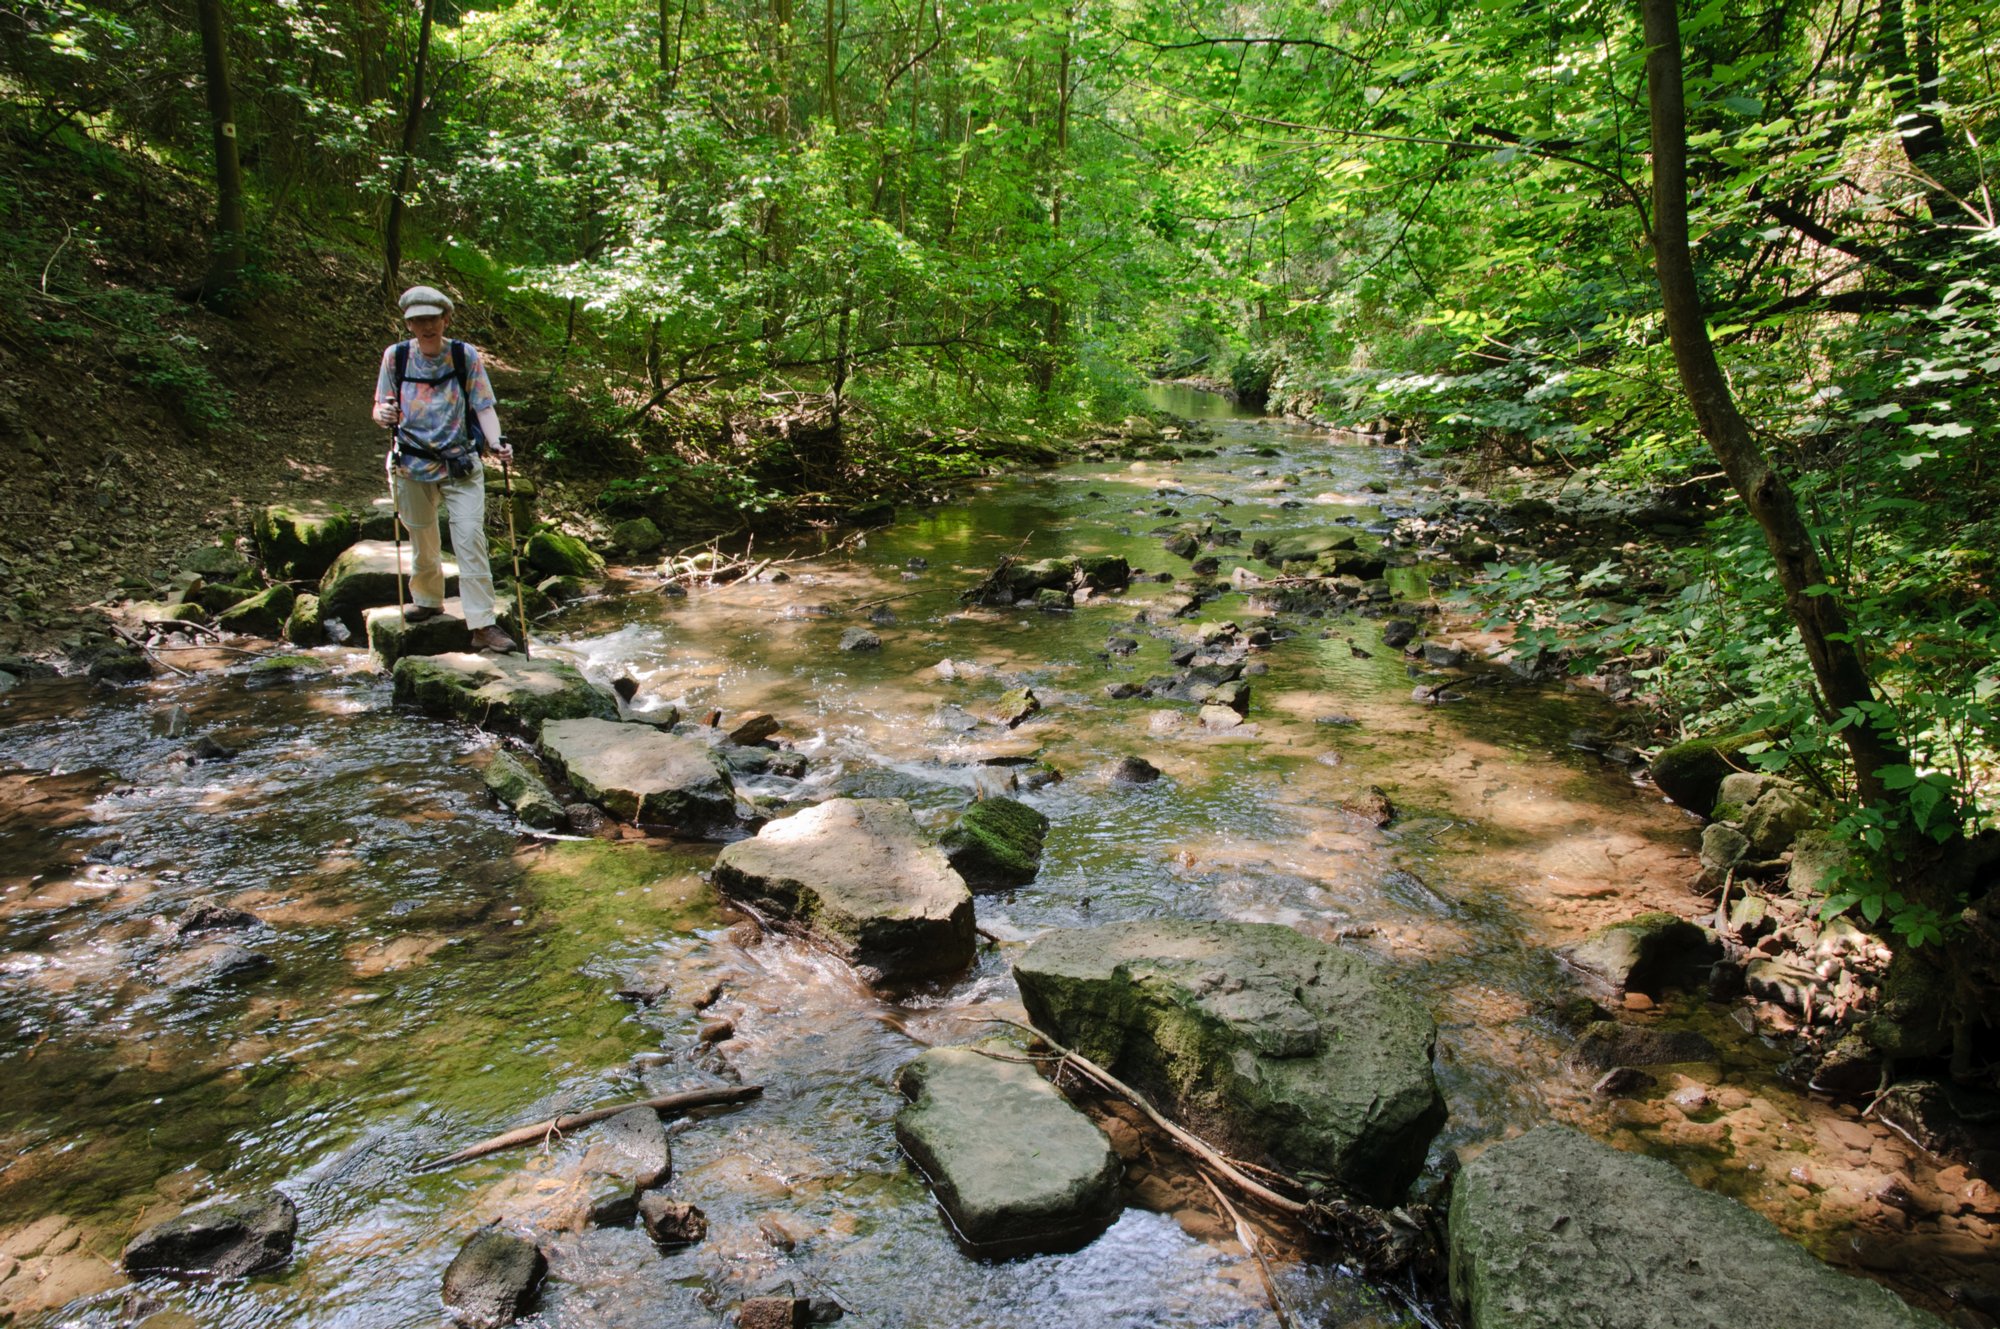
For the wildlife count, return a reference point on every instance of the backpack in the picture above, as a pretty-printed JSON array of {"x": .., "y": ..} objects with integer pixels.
[{"x": 456, "y": 456}]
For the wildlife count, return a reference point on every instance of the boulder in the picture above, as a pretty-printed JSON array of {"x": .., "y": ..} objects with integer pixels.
[
  {"x": 859, "y": 874},
  {"x": 631, "y": 1152},
  {"x": 1691, "y": 772},
  {"x": 261, "y": 615},
  {"x": 520, "y": 787},
  {"x": 1274, "y": 1046},
  {"x": 1646, "y": 954},
  {"x": 217, "y": 563},
  {"x": 1554, "y": 1230},
  {"x": 996, "y": 843},
  {"x": 499, "y": 691},
  {"x": 1016, "y": 1168},
  {"x": 1104, "y": 572},
  {"x": 492, "y": 1279},
  {"x": 1398, "y": 633},
  {"x": 364, "y": 576},
  {"x": 641, "y": 774},
  {"x": 302, "y": 625},
  {"x": 1777, "y": 815},
  {"x": 860, "y": 639},
  {"x": 1134, "y": 770},
  {"x": 1012, "y": 707},
  {"x": 226, "y": 1240},
  {"x": 558, "y": 555},
  {"x": 638, "y": 536},
  {"x": 298, "y": 544},
  {"x": 1023, "y": 580},
  {"x": 754, "y": 727}
]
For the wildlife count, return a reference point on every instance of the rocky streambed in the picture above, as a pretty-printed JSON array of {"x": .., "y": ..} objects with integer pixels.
[{"x": 1167, "y": 754}]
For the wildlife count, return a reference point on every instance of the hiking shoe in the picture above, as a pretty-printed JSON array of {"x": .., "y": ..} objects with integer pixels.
[
  {"x": 420, "y": 613},
  {"x": 493, "y": 639}
]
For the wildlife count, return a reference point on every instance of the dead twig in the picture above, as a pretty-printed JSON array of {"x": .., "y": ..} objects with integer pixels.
[
  {"x": 685, "y": 1101},
  {"x": 1248, "y": 1236},
  {"x": 149, "y": 652}
]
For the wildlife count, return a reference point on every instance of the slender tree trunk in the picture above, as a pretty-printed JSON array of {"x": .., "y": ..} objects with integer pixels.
[
  {"x": 1843, "y": 679},
  {"x": 227, "y": 263},
  {"x": 413, "y": 123}
]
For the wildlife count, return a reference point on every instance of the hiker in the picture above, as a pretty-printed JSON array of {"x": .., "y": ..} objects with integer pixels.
[{"x": 422, "y": 392}]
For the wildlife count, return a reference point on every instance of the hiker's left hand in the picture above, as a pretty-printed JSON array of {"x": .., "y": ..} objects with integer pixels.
[{"x": 500, "y": 452}]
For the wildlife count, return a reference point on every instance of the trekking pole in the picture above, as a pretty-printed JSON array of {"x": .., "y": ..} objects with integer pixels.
[
  {"x": 514, "y": 548},
  {"x": 396, "y": 527}
]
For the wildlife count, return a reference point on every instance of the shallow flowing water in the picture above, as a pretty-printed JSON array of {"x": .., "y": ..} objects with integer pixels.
[{"x": 437, "y": 977}]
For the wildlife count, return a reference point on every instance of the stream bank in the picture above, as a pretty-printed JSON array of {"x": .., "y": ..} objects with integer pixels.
[{"x": 434, "y": 978}]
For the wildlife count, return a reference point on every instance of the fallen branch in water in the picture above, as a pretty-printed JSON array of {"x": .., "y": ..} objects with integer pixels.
[
  {"x": 685, "y": 1101},
  {"x": 1248, "y": 1236},
  {"x": 706, "y": 564},
  {"x": 1382, "y": 1242},
  {"x": 150, "y": 652}
]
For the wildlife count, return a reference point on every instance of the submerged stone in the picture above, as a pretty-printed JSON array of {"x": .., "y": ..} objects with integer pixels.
[
  {"x": 637, "y": 773},
  {"x": 227, "y": 1240},
  {"x": 1015, "y": 1167},
  {"x": 859, "y": 874},
  {"x": 1274, "y": 1046},
  {"x": 1555, "y": 1231},
  {"x": 499, "y": 691}
]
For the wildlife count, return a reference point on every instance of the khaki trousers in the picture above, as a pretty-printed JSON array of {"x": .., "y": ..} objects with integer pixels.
[{"x": 464, "y": 504}]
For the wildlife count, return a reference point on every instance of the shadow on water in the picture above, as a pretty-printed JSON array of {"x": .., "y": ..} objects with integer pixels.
[{"x": 434, "y": 979}]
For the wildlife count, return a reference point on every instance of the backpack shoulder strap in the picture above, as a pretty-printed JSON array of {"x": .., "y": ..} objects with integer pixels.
[
  {"x": 402, "y": 364},
  {"x": 458, "y": 371}
]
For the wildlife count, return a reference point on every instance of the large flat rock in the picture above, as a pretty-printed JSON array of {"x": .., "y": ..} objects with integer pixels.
[
  {"x": 499, "y": 691},
  {"x": 231, "y": 1239},
  {"x": 1274, "y": 1046},
  {"x": 859, "y": 874},
  {"x": 1015, "y": 1166},
  {"x": 639, "y": 774},
  {"x": 364, "y": 577},
  {"x": 1555, "y": 1231}
]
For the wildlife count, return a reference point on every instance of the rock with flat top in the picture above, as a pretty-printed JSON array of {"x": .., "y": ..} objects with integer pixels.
[
  {"x": 301, "y": 543},
  {"x": 996, "y": 843},
  {"x": 1554, "y": 1230},
  {"x": 638, "y": 773},
  {"x": 859, "y": 874},
  {"x": 364, "y": 576},
  {"x": 1275, "y": 1047},
  {"x": 505, "y": 692},
  {"x": 227, "y": 1240},
  {"x": 1016, "y": 1168},
  {"x": 518, "y": 785},
  {"x": 1648, "y": 954}
]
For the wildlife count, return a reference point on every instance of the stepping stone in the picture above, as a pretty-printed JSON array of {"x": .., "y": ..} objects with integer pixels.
[
  {"x": 996, "y": 843},
  {"x": 1554, "y": 1230},
  {"x": 639, "y": 774},
  {"x": 499, "y": 691},
  {"x": 301, "y": 543},
  {"x": 1016, "y": 1168},
  {"x": 860, "y": 875},
  {"x": 1273, "y": 1046},
  {"x": 518, "y": 785}
]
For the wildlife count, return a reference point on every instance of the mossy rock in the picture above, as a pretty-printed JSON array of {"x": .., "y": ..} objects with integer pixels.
[
  {"x": 499, "y": 691},
  {"x": 1691, "y": 772},
  {"x": 518, "y": 785},
  {"x": 302, "y": 625},
  {"x": 217, "y": 563},
  {"x": 559, "y": 555},
  {"x": 298, "y": 544},
  {"x": 1912, "y": 1015},
  {"x": 1105, "y": 572},
  {"x": 261, "y": 615},
  {"x": 637, "y": 536},
  {"x": 996, "y": 843}
]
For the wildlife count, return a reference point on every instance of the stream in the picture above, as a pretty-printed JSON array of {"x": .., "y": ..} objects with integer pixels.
[{"x": 436, "y": 976}]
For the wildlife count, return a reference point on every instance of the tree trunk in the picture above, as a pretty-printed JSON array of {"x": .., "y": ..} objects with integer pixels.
[
  {"x": 1844, "y": 684},
  {"x": 218, "y": 286},
  {"x": 413, "y": 122}
]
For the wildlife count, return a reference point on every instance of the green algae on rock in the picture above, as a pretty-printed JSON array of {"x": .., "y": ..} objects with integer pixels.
[
  {"x": 1267, "y": 1043},
  {"x": 499, "y": 691},
  {"x": 997, "y": 842},
  {"x": 1554, "y": 1230}
]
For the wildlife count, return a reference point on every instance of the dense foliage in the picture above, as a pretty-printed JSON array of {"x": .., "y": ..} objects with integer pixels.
[{"x": 943, "y": 219}]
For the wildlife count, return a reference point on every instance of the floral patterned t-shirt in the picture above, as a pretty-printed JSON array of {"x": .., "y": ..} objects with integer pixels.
[{"x": 433, "y": 413}]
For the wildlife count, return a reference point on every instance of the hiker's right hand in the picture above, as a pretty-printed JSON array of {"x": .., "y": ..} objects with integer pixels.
[{"x": 386, "y": 413}]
